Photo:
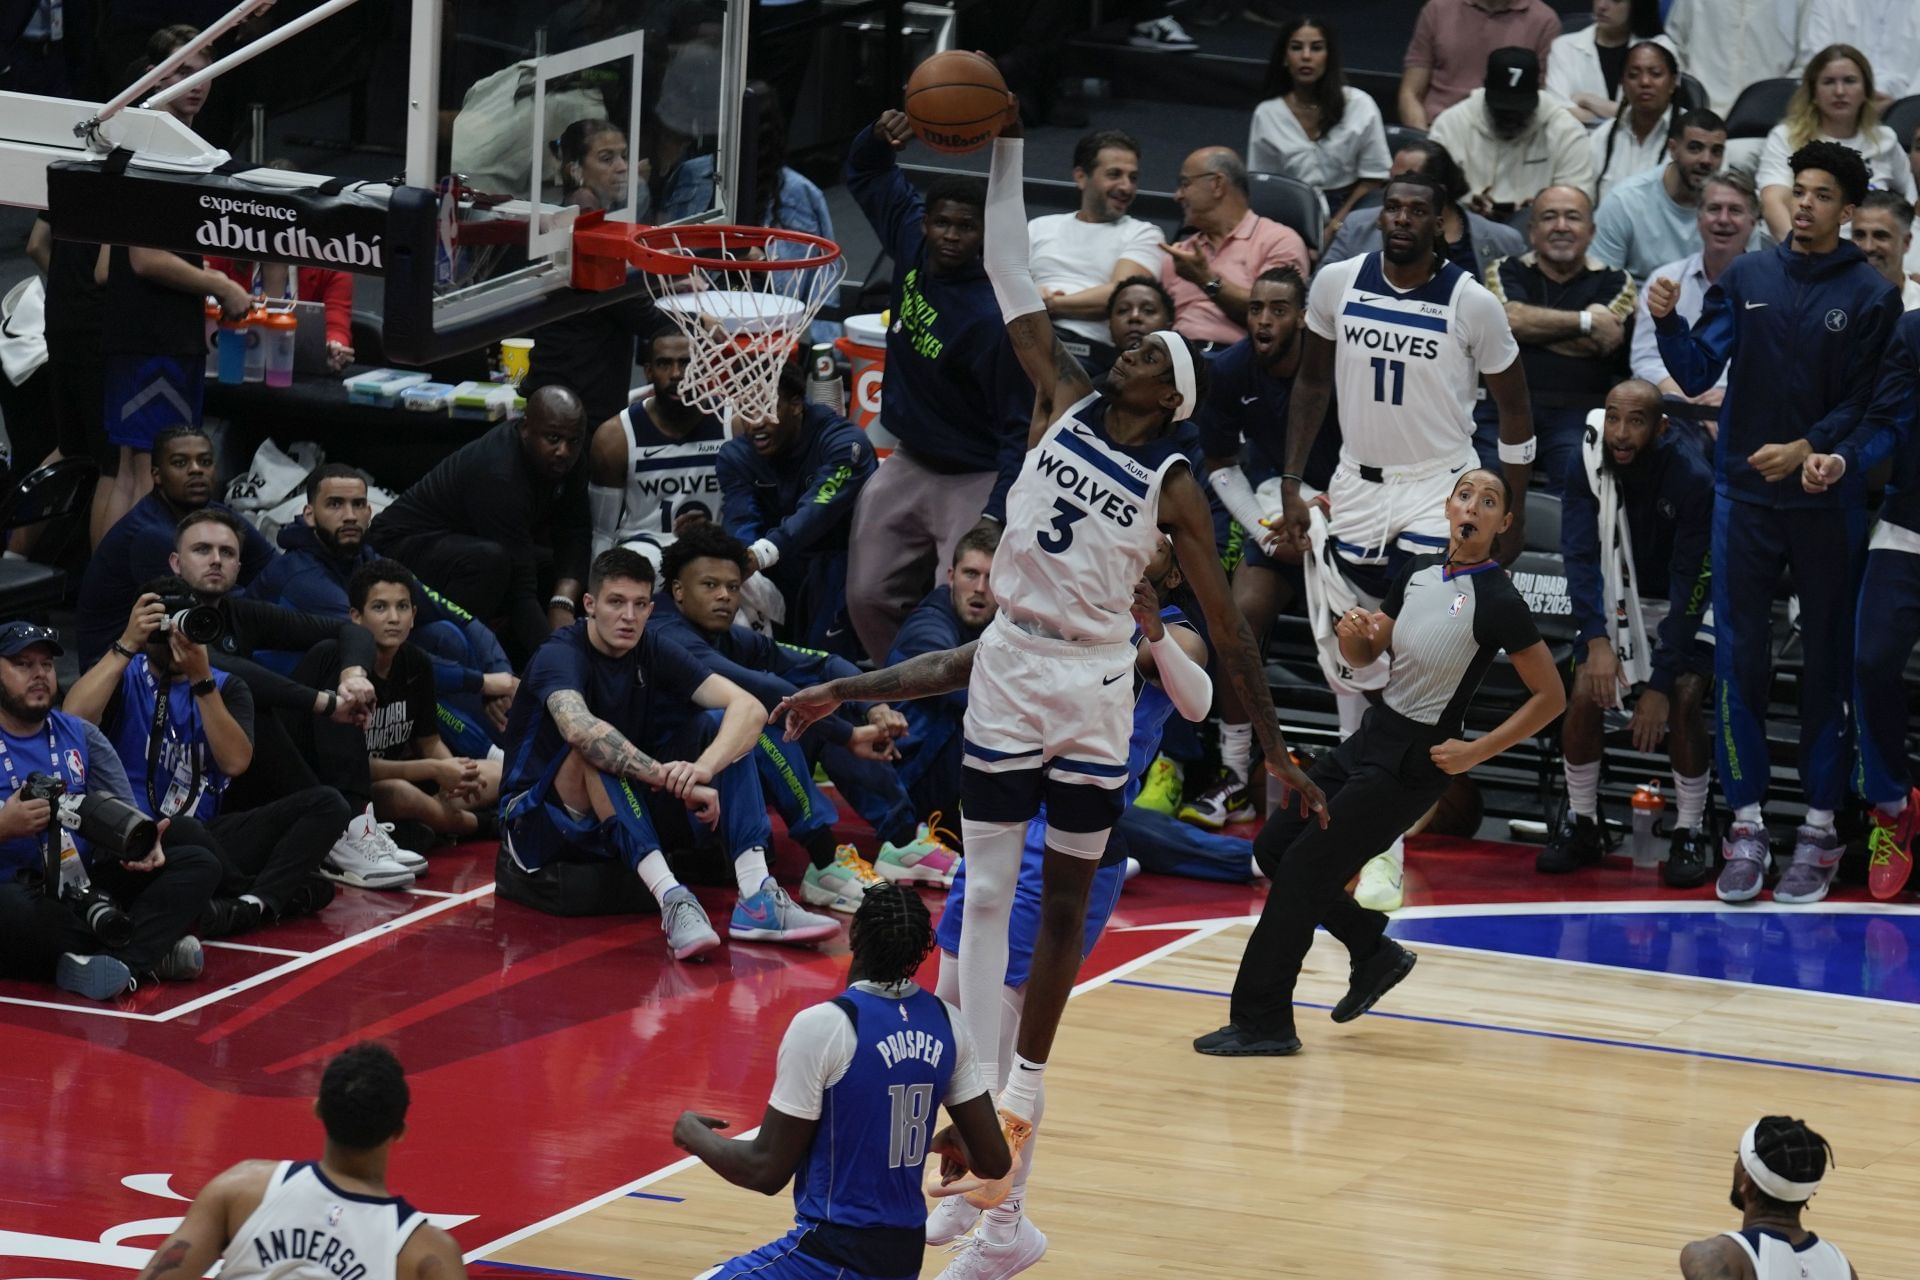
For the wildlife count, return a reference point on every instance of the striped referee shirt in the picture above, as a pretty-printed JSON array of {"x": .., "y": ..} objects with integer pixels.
[{"x": 1448, "y": 625}]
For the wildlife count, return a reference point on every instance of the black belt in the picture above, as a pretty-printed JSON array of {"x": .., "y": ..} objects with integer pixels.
[{"x": 1372, "y": 475}]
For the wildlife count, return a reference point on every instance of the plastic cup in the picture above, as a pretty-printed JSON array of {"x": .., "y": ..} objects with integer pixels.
[{"x": 516, "y": 358}]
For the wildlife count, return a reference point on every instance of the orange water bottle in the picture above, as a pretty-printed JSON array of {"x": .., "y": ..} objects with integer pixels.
[{"x": 1647, "y": 806}]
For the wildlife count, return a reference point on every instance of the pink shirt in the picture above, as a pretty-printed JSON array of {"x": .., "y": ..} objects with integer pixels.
[
  {"x": 1254, "y": 245},
  {"x": 1452, "y": 38}
]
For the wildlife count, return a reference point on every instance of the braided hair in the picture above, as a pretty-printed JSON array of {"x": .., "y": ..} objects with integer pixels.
[
  {"x": 1674, "y": 105},
  {"x": 891, "y": 935},
  {"x": 1792, "y": 1150}
]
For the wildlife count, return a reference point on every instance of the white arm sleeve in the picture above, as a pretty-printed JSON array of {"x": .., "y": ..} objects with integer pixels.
[
  {"x": 605, "y": 506},
  {"x": 1186, "y": 681},
  {"x": 1230, "y": 485},
  {"x": 1005, "y": 252},
  {"x": 814, "y": 1054}
]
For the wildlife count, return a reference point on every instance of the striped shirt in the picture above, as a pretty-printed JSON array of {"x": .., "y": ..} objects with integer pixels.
[{"x": 1449, "y": 625}]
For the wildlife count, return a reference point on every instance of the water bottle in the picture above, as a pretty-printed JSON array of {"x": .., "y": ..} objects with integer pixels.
[
  {"x": 213, "y": 338},
  {"x": 280, "y": 329},
  {"x": 233, "y": 352},
  {"x": 823, "y": 380},
  {"x": 256, "y": 335},
  {"x": 1647, "y": 805}
]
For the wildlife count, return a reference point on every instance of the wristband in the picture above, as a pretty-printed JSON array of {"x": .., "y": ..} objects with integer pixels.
[
  {"x": 1521, "y": 453},
  {"x": 333, "y": 702},
  {"x": 123, "y": 651},
  {"x": 1586, "y": 324},
  {"x": 1288, "y": 475},
  {"x": 766, "y": 553},
  {"x": 561, "y": 602}
]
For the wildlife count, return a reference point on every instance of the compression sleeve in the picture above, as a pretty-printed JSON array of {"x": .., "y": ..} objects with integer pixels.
[
  {"x": 605, "y": 504},
  {"x": 1230, "y": 485},
  {"x": 1185, "y": 681},
  {"x": 1006, "y": 251}
]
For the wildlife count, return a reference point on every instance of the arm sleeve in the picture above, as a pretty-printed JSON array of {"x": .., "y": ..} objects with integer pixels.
[
  {"x": 105, "y": 774},
  {"x": 965, "y": 1084},
  {"x": 814, "y": 1054},
  {"x": 1689, "y": 582},
  {"x": 829, "y": 496},
  {"x": 1006, "y": 253},
  {"x": 892, "y": 206},
  {"x": 238, "y": 698},
  {"x": 1230, "y": 485},
  {"x": 1845, "y": 429},
  {"x": 738, "y": 512},
  {"x": 1580, "y": 555},
  {"x": 1695, "y": 355},
  {"x": 1185, "y": 681},
  {"x": 1011, "y": 398}
]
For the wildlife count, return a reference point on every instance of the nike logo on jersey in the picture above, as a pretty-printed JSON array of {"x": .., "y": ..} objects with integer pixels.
[
  {"x": 1752, "y": 305},
  {"x": 1372, "y": 297},
  {"x": 1248, "y": 399},
  {"x": 1111, "y": 679}
]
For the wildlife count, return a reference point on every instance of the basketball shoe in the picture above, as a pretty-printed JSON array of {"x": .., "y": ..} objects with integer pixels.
[
  {"x": 1816, "y": 856},
  {"x": 1160, "y": 791},
  {"x": 926, "y": 859},
  {"x": 363, "y": 857},
  {"x": 1224, "y": 802},
  {"x": 842, "y": 883},
  {"x": 685, "y": 922},
  {"x": 975, "y": 1259},
  {"x": 950, "y": 1219},
  {"x": 1748, "y": 858},
  {"x": 1890, "y": 848},
  {"x": 771, "y": 916},
  {"x": 1383, "y": 881}
]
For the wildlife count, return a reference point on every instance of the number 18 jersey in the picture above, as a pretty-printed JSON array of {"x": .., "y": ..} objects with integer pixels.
[
  {"x": 1407, "y": 365},
  {"x": 1082, "y": 524}
]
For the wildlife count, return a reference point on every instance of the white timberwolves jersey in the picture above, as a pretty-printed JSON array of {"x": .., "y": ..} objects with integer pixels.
[
  {"x": 1082, "y": 523},
  {"x": 666, "y": 477},
  {"x": 1775, "y": 1258},
  {"x": 308, "y": 1229},
  {"x": 1407, "y": 366}
]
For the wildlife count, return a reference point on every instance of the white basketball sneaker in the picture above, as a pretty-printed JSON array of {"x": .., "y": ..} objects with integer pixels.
[
  {"x": 975, "y": 1259},
  {"x": 1383, "y": 881},
  {"x": 951, "y": 1219}
]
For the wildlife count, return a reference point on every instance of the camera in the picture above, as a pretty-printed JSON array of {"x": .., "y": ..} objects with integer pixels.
[
  {"x": 198, "y": 622},
  {"x": 111, "y": 825},
  {"x": 103, "y": 917}
]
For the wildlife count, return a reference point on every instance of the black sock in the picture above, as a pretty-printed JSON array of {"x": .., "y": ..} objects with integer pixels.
[{"x": 821, "y": 848}]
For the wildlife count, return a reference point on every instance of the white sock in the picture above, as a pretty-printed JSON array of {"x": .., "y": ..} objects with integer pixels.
[
  {"x": 1352, "y": 708},
  {"x": 657, "y": 876},
  {"x": 1583, "y": 788},
  {"x": 999, "y": 1224},
  {"x": 1748, "y": 815},
  {"x": 11, "y": 555},
  {"x": 1023, "y": 1083},
  {"x": 750, "y": 871},
  {"x": 1821, "y": 819},
  {"x": 1236, "y": 749},
  {"x": 1690, "y": 808},
  {"x": 993, "y": 869},
  {"x": 1893, "y": 808}
]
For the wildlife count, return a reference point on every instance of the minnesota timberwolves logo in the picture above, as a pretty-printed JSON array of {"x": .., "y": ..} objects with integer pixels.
[{"x": 1836, "y": 320}]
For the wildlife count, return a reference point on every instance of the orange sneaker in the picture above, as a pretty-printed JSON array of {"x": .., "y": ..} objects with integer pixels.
[{"x": 1890, "y": 849}]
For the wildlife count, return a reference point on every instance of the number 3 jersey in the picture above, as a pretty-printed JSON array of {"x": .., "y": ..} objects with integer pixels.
[
  {"x": 1407, "y": 365},
  {"x": 665, "y": 477},
  {"x": 1082, "y": 524}
]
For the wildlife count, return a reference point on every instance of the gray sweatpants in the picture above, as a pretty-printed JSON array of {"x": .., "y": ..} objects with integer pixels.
[{"x": 905, "y": 526}]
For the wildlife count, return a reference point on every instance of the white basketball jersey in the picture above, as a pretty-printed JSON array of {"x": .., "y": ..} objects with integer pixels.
[
  {"x": 1082, "y": 523},
  {"x": 1407, "y": 366},
  {"x": 308, "y": 1229},
  {"x": 1775, "y": 1258},
  {"x": 666, "y": 476}
]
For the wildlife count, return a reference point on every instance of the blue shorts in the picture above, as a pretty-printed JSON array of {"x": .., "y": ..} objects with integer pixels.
[
  {"x": 1024, "y": 925},
  {"x": 537, "y": 829},
  {"x": 782, "y": 1260},
  {"x": 148, "y": 394}
]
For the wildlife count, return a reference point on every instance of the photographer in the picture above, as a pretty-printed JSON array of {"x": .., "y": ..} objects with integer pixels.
[
  {"x": 161, "y": 892},
  {"x": 184, "y": 731}
]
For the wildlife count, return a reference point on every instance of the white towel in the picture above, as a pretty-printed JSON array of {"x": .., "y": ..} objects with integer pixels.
[
  {"x": 1626, "y": 623},
  {"x": 1329, "y": 595}
]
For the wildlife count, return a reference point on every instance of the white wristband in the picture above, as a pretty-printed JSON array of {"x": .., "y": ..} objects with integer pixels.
[
  {"x": 1521, "y": 453},
  {"x": 1586, "y": 324},
  {"x": 765, "y": 554}
]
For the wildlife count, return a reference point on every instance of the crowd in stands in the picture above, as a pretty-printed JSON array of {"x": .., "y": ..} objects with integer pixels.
[{"x": 568, "y": 635}]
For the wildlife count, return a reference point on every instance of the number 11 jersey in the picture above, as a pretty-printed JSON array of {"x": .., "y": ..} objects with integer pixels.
[{"x": 1407, "y": 365}]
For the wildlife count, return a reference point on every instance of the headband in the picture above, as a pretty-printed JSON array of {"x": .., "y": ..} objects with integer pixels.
[
  {"x": 1766, "y": 1179},
  {"x": 1182, "y": 360}
]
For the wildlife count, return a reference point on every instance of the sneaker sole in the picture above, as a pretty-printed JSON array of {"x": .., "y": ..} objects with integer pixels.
[
  {"x": 1889, "y": 889},
  {"x": 99, "y": 978},
  {"x": 816, "y": 933},
  {"x": 359, "y": 881},
  {"x": 1383, "y": 905},
  {"x": 1156, "y": 46},
  {"x": 912, "y": 875},
  {"x": 1801, "y": 899},
  {"x": 700, "y": 946},
  {"x": 944, "y": 1237},
  {"x": 1280, "y": 1049},
  {"x": 827, "y": 898},
  {"x": 1194, "y": 818},
  {"x": 1738, "y": 895},
  {"x": 1392, "y": 979}
]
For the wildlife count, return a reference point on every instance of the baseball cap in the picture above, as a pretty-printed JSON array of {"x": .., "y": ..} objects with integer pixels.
[
  {"x": 1513, "y": 79},
  {"x": 17, "y": 637}
]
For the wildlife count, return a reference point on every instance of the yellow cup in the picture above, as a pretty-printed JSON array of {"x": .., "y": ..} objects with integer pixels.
[{"x": 516, "y": 357}]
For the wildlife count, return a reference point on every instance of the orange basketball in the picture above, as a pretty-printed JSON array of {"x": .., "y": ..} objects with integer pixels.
[{"x": 956, "y": 101}]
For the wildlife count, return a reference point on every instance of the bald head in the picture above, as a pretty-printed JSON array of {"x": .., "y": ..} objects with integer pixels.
[
  {"x": 1213, "y": 189},
  {"x": 554, "y": 403},
  {"x": 553, "y": 431},
  {"x": 1636, "y": 416}
]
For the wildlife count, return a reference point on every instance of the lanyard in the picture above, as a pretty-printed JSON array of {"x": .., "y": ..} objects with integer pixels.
[
  {"x": 50, "y": 848},
  {"x": 53, "y": 760},
  {"x": 162, "y": 696}
]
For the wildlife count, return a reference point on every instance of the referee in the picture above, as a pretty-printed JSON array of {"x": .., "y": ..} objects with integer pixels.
[{"x": 1445, "y": 618}]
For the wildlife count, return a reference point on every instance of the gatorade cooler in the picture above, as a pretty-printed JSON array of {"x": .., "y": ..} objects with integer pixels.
[{"x": 865, "y": 347}]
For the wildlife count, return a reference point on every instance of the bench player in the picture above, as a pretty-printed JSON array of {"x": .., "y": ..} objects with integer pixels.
[{"x": 652, "y": 466}]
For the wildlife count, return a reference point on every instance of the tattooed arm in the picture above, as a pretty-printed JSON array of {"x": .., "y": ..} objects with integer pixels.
[
  {"x": 599, "y": 743},
  {"x": 1716, "y": 1259},
  {"x": 931, "y": 673},
  {"x": 217, "y": 1213}
]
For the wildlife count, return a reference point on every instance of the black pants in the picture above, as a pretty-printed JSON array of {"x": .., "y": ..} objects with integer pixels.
[
  {"x": 268, "y": 851},
  {"x": 1378, "y": 783},
  {"x": 296, "y": 751},
  {"x": 35, "y": 930},
  {"x": 504, "y": 587}
]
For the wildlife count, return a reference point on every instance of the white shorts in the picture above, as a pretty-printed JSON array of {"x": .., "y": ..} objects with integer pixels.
[
  {"x": 1048, "y": 719},
  {"x": 1376, "y": 511}
]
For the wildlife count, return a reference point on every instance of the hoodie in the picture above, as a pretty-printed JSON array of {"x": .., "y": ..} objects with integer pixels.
[
  {"x": 1552, "y": 150},
  {"x": 800, "y": 502}
]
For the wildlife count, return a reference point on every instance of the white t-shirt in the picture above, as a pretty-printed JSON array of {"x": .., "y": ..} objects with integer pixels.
[
  {"x": 1070, "y": 255},
  {"x": 819, "y": 1045},
  {"x": 1407, "y": 366},
  {"x": 1353, "y": 149},
  {"x": 1729, "y": 44},
  {"x": 1886, "y": 162}
]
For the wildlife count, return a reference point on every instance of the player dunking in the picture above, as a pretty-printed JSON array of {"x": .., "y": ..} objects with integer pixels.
[
  {"x": 1050, "y": 699},
  {"x": 1405, "y": 337}
]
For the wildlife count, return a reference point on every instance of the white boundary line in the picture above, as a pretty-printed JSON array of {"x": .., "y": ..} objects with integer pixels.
[{"x": 251, "y": 946}]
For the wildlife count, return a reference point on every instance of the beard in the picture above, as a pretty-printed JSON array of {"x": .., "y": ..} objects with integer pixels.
[
  {"x": 332, "y": 543},
  {"x": 20, "y": 709}
]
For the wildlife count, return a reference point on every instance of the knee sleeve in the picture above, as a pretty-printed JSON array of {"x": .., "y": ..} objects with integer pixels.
[{"x": 1091, "y": 845}]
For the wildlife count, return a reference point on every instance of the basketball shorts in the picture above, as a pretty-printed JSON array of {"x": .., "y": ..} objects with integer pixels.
[
  {"x": 1378, "y": 516},
  {"x": 1046, "y": 719},
  {"x": 148, "y": 394},
  {"x": 1024, "y": 924},
  {"x": 781, "y": 1260},
  {"x": 536, "y": 829}
]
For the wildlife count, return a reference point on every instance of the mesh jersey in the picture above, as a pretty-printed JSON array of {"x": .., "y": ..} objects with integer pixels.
[
  {"x": 1407, "y": 365},
  {"x": 1775, "y": 1257},
  {"x": 305, "y": 1228},
  {"x": 666, "y": 476},
  {"x": 1082, "y": 523}
]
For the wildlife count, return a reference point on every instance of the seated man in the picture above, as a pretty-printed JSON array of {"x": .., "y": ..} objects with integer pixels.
[
  {"x": 135, "y": 549},
  {"x": 1079, "y": 257},
  {"x": 787, "y": 489},
  {"x": 593, "y": 692},
  {"x": 651, "y": 470},
  {"x": 42, "y": 930},
  {"x": 1634, "y": 470},
  {"x": 1210, "y": 273},
  {"x": 1569, "y": 313},
  {"x": 950, "y": 616},
  {"x": 1510, "y": 141},
  {"x": 417, "y": 780},
  {"x": 319, "y": 554},
  {"x": 1652, "y": 217},
  {"x": 1467, "y": 240},
  {"x": 184, "y": 731},
  {"x": 1883, "y": 229},
  {"x": 703, "y": 573}
]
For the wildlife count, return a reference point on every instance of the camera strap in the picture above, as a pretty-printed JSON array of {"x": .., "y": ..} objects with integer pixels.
[
  {"x": 52, "y": 851},
  {"x": 162, "y": 696}
]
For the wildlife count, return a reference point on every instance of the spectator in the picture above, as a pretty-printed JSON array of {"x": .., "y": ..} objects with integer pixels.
[
  {"x": 184, "y": 731},
  {"x": 651, "y": 473},
  {"x": 1452, "y": 40},
  {"x": 1834, "y": 103},
  {"x": 1802, "y": 326},
  {"x": 1209, "y": 273},
  {"x": 1079, "y": 257},
  {"x": 1892, "y": 31},
  {"x": 1316, "y": 127},
  {"x": 1653, "y": 217},
  {"x": 1730, "y": 44},
  {"x": 1638, "y": 603},
  {"x": 1468, "y": 240},
  {"x": 1511, "y": 142},
  {"x": 788, "y": 198},
  {"x": 594, "y": 168},
  {"x": 76, "y": 368},
  {"x": 1587, "y": 68},
  {"x": 957, "y": 399},
  {"x": 1569, "y": 313},
  {"x": 502, "y": 524},
  {"x": 1636, "y": 140},
  {"x": 42, "y": 933},
  {"x": 136, "y": 547},
  {"x": 591, "y": 691},
  {"x": 1138, "y": 306},
  {"x": 704, "y": 575},
  {"x": 1729, "y": 210},
  {"x": 952, "y": 615},
  {"x": 1883, "y": 230},
  {"x": 788, "y": 488}
]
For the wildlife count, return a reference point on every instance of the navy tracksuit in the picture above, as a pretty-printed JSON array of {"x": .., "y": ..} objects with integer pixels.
[
  {"x": 1803, "y": 335},
  {"x": 1889, "y": 615}
]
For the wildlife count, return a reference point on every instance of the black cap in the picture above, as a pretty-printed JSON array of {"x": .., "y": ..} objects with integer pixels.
[
  {"x": 1513, "y": 79},
  {"x": 17, "y": 637}
]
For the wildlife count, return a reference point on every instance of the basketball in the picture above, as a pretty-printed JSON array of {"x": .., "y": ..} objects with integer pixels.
[{"x": 956, "y": 101}]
